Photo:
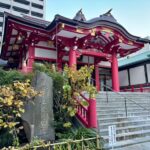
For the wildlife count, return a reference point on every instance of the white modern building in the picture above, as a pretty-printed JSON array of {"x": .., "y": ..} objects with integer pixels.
[{"x": 35, "y": 8}]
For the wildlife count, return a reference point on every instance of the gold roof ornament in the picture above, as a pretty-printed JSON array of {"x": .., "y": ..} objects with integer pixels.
[
  {"x": 130, "y": 43},
  {"x": 121, "y": 39},
  {"x": 62, "y": 26},
  {"x": 93, "y": 32},
  {"x": 107, "y": 30},
  {"x": 79, "y": 30}
]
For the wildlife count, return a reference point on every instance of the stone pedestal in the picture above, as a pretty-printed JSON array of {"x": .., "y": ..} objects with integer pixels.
[{"x": 38, "y": 118}]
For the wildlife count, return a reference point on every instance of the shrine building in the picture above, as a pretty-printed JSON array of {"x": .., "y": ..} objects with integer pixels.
[{"x": 99, "y": 41}]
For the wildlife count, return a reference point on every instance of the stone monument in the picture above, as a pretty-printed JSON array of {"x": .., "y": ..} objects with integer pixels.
[{"x": 38, "y": 118}]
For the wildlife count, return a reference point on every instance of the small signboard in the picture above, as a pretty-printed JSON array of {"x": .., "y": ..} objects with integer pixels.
[{"x": 112, "y": 135}]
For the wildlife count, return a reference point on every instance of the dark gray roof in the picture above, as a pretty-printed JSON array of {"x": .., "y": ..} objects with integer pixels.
[
  {"x": 28, "y": 19},
  {"x": 79, "y": 16},
  {"x": 37, "y": 20},
  {"x": 105, "y": 17}
]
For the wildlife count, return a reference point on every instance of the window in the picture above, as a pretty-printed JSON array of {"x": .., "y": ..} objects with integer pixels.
[
  {"x": 1, "y": 14},
  {"x": 0, "y": 33},
  {"x": 36, "y": 14},
  {"x": 25, "y": 11},
  {"x": 37, "y": 6},
  {"x": 1, "y": 24},
  {"x": 22, "y": 2},
  {"x": 2, "y": 5}
]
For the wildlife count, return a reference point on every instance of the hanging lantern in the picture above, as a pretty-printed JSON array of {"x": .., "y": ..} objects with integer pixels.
[
  {"x": 19, "y": 38},
  {"x": 50, "y": 43},
  {"x": 66, "y": 48},
  {"x": 15, "y": 47}
]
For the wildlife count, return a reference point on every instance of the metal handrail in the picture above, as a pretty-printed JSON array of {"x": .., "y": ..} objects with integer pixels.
[
  {"x": 126, "y": 98},
  {"x": 108, "y": 87}
]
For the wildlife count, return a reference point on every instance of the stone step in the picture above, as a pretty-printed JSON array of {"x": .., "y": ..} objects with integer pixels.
[
  {"x": 122, "y": 96},
  {"x": 120, "y": 119},
  {"x": 103, "y": 125},
  {"x": 117, "y": 98},
  {"x": 122, "y": 114},
  {"x": 130, "y": 135},
  {"x": 125, "y": 143},
  {"x": 111, "y": 111},
  {"x": 136, "y": 104},
  {"x": 119, "y": 101},
  {"x": 120, "y": 110},
  {"x": 122, "y": 93},
  {"x": 127, "y": 129}
]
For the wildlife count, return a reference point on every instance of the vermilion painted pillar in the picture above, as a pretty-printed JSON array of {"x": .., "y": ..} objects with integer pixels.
[
  {"x": 30, "y": 62},
  {"x": 92, "y": 116},
  {"x": 59, "y": 65},
  {"x": 97, "y": 79},
  {"x": 115, "y": 73},
  {"x": 72, "y": 58},
  {"x": 20, "y": 59}
]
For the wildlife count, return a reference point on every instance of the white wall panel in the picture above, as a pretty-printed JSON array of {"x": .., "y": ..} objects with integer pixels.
[
  {"x": 137, "y": 75},
  {"x": 85, "y": 59},
  {"x": 123, "y": 78},
  {"x": 1, "y": 19},
  {"x": 66, "y": 58},
  {"x": 12, "y": 40},
  {"x": 105, "y": 63},
  {"x": 44, "y": 44},
  {"x": 109, "y": 83},
  {"x": 148, "y": 71},
  {"x": 45, "y": 53},
  {"x": 91, "y": 59}
]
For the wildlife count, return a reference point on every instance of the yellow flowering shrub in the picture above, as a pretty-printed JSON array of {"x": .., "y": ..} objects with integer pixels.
[
  {"x": 78, "y": 81},
  {"x": 12, "y": 100}
]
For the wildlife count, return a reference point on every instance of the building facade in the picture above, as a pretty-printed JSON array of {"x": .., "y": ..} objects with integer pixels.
[
  {"x": 134, "y": 70},
  {"x": 99, "y": 42},
  {"x": 35, "y": 8}
]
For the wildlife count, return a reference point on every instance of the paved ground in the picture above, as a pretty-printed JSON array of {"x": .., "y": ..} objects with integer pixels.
[{"x": 141, "y": 146}]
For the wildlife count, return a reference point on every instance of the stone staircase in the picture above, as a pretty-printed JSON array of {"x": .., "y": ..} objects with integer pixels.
[{"x": 133, "y": 125}]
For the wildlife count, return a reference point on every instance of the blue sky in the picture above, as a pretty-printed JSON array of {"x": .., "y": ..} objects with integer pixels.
[{"x": 134, "y": 15}]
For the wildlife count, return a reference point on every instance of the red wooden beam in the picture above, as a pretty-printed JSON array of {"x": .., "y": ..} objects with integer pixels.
[
  {"x": 91, "y": 52},
  {"x": 109, "y": 45}
]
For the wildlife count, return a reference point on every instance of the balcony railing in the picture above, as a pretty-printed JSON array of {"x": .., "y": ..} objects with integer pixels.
[
  {"x": 87, "y": 115},
  {"x": 137, "y": 88}
]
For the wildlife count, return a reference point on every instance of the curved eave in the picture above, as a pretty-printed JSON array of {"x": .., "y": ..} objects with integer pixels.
[
  {"x": 23, "y": 20},
  {"x": 103, "y": 23},
  {"x": 79, "y": 24}
]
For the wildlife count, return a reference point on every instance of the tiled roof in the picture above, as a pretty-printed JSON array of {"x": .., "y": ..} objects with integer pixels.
[{"x": 36, "y": 20}]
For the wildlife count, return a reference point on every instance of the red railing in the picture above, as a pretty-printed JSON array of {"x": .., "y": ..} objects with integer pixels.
[
  {"x": 87, "y": 115},
  {"x": 139, "y": 88}
]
